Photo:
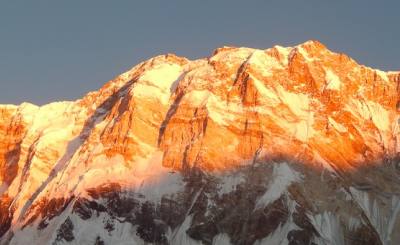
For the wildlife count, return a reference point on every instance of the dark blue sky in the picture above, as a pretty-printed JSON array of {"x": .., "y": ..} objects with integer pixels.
[{"x": 59, "y": 50}]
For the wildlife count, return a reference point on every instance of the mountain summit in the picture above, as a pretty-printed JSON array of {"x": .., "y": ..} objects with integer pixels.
[{"x": 288, "y": 145}]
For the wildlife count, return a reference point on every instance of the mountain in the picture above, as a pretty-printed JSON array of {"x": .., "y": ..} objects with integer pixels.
[{"x": 288, "y": 145}]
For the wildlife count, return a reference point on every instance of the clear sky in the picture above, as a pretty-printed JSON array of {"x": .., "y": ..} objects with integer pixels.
[{"x": 59, "y": 50}]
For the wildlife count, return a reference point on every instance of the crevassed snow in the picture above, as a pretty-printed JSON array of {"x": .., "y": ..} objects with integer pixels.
[
  {"x": 332, "y": 80},
  {"x": 282, "y": 177}
]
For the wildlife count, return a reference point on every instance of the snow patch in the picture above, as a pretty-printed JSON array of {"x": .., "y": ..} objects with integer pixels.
[
  {"x": 298, "y": 103},
  {"x": 163, "y": 77},
  {"x": 282, "y": 177},
  {"x": 304, "y": 53},
  {"x": 354, "y": 223},
  {"x": 198, "y": 98},
  {"x": 382, "y": 222},
  {"x": 339, "y": 127},
  {"x": 328, "y": 227},
  {"x": 264, "y": 62},
  {"x": 332, "y": 80},
  {"x": 382, "y": 75},
  {"x": 370, "y": 110},
  {"x": 222, "y": 112},
  {"x": 301, "y": 130},
  {"x": 380, "y": 116},
  {"x": 267, "y": 93},
  {"x": 228, "y": 183},
  {"x": 284, "y": 52}
]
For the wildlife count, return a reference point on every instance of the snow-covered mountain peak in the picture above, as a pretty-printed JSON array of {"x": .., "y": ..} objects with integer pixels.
[{"x": 265, "y": 130}]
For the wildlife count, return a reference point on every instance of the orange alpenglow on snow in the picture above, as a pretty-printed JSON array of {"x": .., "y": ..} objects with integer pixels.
[{"x": 240, "y": 106}]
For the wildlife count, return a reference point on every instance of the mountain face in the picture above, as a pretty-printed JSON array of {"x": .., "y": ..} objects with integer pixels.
[{"x": 296, "y": 145}]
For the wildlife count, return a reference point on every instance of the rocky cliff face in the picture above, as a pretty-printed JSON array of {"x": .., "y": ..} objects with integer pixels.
[{"x": 296, "y": 145}]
